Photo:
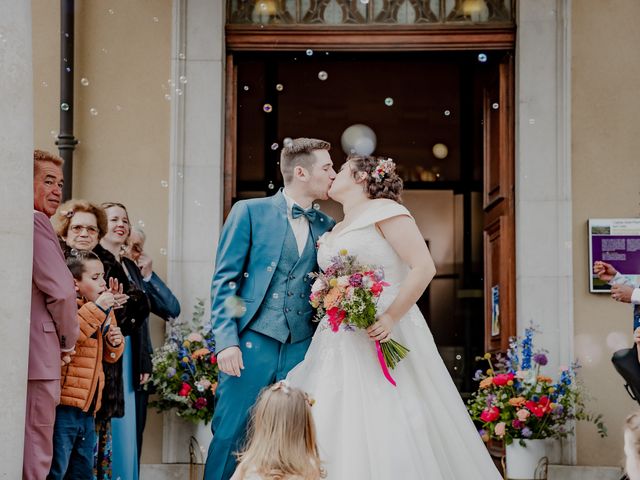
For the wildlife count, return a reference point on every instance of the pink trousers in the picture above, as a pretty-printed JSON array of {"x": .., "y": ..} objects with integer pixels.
[{"x": 42, "y": 398}]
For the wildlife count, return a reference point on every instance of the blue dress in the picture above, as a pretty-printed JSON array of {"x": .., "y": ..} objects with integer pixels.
[{"x": 125, "y": 455}]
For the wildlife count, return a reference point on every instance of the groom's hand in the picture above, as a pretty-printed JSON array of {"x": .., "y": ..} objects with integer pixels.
[{"x": 230, "y": 361}]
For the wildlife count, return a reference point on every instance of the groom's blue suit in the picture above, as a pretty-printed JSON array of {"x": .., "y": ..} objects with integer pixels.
[{"x": 258, "y": 261}]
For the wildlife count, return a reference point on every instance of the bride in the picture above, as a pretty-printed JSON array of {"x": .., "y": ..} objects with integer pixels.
[{"x": 367, "y": 428}]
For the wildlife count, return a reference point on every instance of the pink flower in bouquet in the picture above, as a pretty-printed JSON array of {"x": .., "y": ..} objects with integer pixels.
[
  {"x": 517, "y": 424},
  {"x": 319, "y": 285},
  {"x": 184, "y": 391},
  {"x": 343, "y": 281},
  {"x": 490, "y": 414},
  {"x": 205, "y": 383},
  {"x": 502, "y": 379},
  {"x": 523, "y": 414},
  {"x": 500, "y": 429},
  {"x": 214, "y": 359},
  {"x": 201, "y": 402},
  {"x": 194, "y": 337},
  {"x": 332, "y": 298},
  {"x": 335, "y": 317},
  {"x": 356, "y": 280}
]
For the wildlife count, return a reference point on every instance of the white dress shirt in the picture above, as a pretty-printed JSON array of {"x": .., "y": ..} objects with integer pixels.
[
  {"x": 299, "y": 226},
  {"x": 620, "y": 279}
]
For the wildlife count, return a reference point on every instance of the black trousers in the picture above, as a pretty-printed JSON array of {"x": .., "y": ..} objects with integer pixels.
[{"x": 142, "y": 398}]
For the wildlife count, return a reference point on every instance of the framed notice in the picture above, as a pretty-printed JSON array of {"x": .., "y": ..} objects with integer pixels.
[{"x": 615, "y": 241}]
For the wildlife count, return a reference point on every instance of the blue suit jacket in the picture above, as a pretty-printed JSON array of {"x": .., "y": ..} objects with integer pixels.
[{"x": 248, "y": 252}]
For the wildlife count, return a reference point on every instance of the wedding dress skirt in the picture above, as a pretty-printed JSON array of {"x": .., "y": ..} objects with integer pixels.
[{"x": 368, "y": 429}]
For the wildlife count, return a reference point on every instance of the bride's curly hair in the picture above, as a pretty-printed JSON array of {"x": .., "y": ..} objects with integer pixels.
[{"x": 381, "y": 181}]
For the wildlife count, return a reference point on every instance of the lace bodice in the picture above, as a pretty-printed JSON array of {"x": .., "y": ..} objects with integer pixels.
[{"x": 362, "y": 239}]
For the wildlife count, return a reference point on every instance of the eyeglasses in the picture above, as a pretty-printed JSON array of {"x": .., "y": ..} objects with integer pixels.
[{"x": 91, "y": 230}]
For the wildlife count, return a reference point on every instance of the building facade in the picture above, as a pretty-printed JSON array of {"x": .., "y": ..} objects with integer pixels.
[{"x": 155, "y": 114}]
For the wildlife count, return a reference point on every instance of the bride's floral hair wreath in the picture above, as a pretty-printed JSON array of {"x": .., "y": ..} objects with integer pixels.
[
  {"x": 386, "y": 167},
  {"x": 381, "y": 179}
]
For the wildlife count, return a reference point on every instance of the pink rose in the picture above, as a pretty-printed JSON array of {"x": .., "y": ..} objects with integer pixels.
[
  {"x": 523, "y": 414},
  {"x": 502, "y": 379},
  {"x": 490, "y": 414},
  {"x": 500, "y": 429}
]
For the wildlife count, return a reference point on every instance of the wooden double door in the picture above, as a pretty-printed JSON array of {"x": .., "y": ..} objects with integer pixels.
[{"x": 254, "y": 83}]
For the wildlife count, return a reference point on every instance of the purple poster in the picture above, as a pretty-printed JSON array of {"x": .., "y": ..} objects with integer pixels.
[{"x": 615, "y": 241}]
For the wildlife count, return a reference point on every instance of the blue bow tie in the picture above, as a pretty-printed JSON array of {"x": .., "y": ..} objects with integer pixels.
[{"x": 298, "y": 211}]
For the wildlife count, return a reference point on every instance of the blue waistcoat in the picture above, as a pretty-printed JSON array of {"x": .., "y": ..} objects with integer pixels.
[{"x": 285, "y": 313}]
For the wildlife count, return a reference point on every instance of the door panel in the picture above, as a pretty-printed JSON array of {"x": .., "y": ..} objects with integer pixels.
[{"x": 499, "y": 225}]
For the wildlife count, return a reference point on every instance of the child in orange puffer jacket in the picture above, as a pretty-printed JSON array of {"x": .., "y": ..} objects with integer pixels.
[{"x": 82, "y": 379}]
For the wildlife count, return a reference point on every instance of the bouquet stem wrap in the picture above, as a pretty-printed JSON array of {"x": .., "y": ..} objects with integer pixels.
[{"x": 383, "y": 365}]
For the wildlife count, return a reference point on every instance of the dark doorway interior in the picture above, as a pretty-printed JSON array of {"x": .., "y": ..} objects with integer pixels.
[{"x": 412, "y": 101}]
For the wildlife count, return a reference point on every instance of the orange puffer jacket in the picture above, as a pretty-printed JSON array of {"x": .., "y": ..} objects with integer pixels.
[{"x": 83, "y": 379}]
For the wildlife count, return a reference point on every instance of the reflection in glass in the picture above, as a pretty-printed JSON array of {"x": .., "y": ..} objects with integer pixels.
[{"x": 354, "y": 12}]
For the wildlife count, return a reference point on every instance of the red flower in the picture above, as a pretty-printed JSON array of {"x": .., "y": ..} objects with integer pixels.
[
  {"x": 376, "y": 289},
  {"x": 184, "y": 391},
  {"x": 490, "y": 414},
  {"x": 502, "y": 379},
  {"x": 335, "y": 317},
  {"x": 540, "y": 408},
  {"x": 214, "y": 360},
  {"x": 200, "y": 403}
]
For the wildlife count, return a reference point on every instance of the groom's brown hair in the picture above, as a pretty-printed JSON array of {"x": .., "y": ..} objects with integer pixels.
[{"x": 299, "y": 152}]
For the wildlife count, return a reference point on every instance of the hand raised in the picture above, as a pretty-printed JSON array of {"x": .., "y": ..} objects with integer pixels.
[
  {"x": 230, "y": 361},
  {"x": 146, "y": 265},
  {"x": 114, "y": 335},
  {"x": 106, "y": 300},
  {"x": 604, "y": 271}
]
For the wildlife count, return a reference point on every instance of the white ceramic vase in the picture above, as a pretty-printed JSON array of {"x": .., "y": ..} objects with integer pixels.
[
  {"x": 528, "y": 462},
  {"x": 177, "y": 435}
]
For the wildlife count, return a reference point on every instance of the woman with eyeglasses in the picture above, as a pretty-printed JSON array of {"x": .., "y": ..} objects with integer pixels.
[{"x": 80, "y": 225}]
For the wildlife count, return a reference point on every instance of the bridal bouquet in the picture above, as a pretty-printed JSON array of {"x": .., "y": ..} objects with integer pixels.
[
  {"x": 185, "y": 371},
  {"x": 346, "y": 295},
  {"x": 516, "y": 402}
]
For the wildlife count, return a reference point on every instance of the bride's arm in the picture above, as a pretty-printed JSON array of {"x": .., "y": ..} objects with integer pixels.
[{"x": 404, "y": 237}]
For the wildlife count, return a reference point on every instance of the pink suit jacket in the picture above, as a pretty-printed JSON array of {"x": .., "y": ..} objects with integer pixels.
[{"x": 54, "y": 323}]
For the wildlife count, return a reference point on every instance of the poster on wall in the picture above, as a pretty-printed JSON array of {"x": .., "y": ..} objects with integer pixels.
[
  {"x": 495, "y": 310},
  {"x": 615, "y": 241}
]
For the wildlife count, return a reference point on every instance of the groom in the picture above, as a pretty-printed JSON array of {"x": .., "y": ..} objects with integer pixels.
[{"x": 260, "y": 311}]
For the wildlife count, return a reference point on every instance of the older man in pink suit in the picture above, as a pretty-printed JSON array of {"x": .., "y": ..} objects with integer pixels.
[{"x": 54, "y": 325}]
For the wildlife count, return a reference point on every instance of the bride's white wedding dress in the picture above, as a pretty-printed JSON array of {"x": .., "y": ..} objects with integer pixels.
[{"x": 368, "y": 429}]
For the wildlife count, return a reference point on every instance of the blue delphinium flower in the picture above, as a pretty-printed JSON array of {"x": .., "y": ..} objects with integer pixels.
[
  {"x": 477, "y": 376},
  {"x": 526, "y": 432},
  {"x": 527, "y": 344}
]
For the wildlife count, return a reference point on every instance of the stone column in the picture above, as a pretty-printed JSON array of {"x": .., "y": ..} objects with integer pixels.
[
  {"x": 196, "y": 189},
  {"x": 544, "y": 269},
  {"x": 16, "y": 230}
]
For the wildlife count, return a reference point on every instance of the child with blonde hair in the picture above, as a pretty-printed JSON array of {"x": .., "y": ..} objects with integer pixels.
[{"x": 281, "y": 444}]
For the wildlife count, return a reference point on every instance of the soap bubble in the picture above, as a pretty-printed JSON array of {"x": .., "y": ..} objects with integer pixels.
[
  {"x": 84, "y": 82},
  {"x": 388, "y": 101},
  {"x": 322, "y": 75}
]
